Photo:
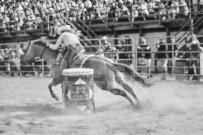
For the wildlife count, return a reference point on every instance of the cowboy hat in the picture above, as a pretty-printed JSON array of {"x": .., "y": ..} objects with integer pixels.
[
  {"x": 64, "y": 28},
  {"x": 104, "y": 38}
]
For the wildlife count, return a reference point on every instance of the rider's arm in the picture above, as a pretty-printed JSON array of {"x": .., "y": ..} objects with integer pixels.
[{"x": 58, "y": 42}]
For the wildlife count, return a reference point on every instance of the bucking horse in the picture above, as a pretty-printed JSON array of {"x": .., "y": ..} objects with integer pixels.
[{"x": 107, "y": 74}]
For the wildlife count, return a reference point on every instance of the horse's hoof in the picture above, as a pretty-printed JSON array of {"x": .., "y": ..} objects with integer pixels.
[
  {"x": 137, "y": 106},
  {"x": 55, "y": 97}
]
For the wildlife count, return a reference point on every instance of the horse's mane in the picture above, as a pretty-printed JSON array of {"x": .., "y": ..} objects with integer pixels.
[{"x": 40, "y": 43}]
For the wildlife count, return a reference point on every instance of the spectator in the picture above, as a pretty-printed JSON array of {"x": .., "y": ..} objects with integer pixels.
[
  {"x": 128, "y": 49},
  {"x": 143, "y": 10},
  {"x": 162, "y": 11},
  {"x": 6, "y": 57},
  {"x": 174, "y": 10},
  {"x": 88, "y": 6},
  {"x": 107, "y": 49},
  {"x": 192, "y": 56},
  {"x": 183, "y": 8},
  {"x": 161, "y": 59},
  {"x": 2, "y": 60},
  {"x": 121, "y": 52},
  {"x": 124, "y": 12},
  {"x": 151, "y": 6},
  {"x": 15, "y": 64},
  {"x": 144, "y": 56},
  {"x": 134, "y": 12}
]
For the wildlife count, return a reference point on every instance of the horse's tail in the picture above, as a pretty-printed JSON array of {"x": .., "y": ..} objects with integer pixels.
[{"x": 125, "y": 69}]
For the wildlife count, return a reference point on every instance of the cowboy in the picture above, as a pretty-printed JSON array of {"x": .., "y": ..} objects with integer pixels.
[
  {"x": 193, "y": 52},
  {"x": 67, "y": 38}
]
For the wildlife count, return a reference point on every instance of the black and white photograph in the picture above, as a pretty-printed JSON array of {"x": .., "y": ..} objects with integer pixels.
[{"x": 101, "y": 67}]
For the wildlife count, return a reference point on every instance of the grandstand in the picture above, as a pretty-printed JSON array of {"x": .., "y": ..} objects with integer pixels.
[{"x": 25, "y": 20}]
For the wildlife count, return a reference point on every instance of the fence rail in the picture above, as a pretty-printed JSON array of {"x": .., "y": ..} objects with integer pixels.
[{"x": 177, "y": 65}]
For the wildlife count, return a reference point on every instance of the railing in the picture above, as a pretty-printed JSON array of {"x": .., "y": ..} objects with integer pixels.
[
  {"x": 129, "y": 16},
  {"x": 131, "y": 58},
  {"x": 197, "y": 22}
]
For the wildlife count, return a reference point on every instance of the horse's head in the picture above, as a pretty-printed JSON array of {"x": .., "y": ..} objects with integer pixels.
[{"x": 33, "y": 50}]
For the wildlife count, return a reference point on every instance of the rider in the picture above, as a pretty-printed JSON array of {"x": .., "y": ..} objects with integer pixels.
[{"x": 66, "y": 38}]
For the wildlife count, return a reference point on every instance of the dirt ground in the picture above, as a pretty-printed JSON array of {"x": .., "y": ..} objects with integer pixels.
[{"x": 169, "y": 108}]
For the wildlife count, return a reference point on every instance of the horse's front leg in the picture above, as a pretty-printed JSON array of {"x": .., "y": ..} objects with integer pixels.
[{"x": 51, "y": 90}]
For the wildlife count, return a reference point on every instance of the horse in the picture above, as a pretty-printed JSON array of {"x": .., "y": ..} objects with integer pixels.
[{"x": 106, "y": 72}]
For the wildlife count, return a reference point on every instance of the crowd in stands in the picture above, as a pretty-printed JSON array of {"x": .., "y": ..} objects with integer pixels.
[{"x": 33, "y": 14}]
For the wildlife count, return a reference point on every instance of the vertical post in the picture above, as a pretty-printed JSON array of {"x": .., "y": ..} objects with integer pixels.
[
  {"x": 48, "y": 22},
  {"x": 134, "y": 53},
  {"x": 107, "y": 18},
  {"x": 173, "y": 54},
  {"x": 190, "y": 17},
  {"x": 42, "y": 66},
  {"x": 99, "y": 46},
  {"x": 18, "y": 48}
]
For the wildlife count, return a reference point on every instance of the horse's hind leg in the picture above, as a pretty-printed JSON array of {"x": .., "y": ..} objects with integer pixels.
[
  {"x": 111, "y": 87},
  {"x": 51, "y": 90},
  {"x": 120, "y": 79}
]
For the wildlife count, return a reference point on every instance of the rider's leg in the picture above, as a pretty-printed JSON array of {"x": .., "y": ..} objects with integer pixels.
[{"x": 58, "y": 58}]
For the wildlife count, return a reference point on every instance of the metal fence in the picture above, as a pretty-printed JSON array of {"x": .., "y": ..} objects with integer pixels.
[{"x": 175, "y": 65}]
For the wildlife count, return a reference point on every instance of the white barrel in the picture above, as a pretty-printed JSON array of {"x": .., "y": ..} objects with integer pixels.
[{"x": 78, "y": 88}]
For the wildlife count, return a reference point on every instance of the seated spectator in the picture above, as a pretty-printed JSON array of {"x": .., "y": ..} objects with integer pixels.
[
  {"x": 124, "y": 12},
  {"x": 101, "y": 12},
  {"x": 143, "y": 10},
  {"x": 151, "y": 6},
  {"x": 183, "y": 8},
  {"x": 88, "y": 6},
  {"x": 174, "y": 10},
  {"x": 162, "y": 11},
  {"x": 134, "y": 12}
]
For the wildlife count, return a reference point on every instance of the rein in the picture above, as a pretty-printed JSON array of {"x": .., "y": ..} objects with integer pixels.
[{"x": 43, "y": 51}]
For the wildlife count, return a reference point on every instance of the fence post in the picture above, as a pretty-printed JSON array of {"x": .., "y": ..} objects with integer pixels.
[
  {"x": 99, "y": 46},
  {"x": 42, "y": 66},
  {"x": 134, "y": 54},
  {"x": 18, "y": 50},
  {"x": 173, "y": 58}
]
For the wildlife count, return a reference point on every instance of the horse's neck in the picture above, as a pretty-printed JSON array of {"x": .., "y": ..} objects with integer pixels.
[{"x": 49, "y": 55}]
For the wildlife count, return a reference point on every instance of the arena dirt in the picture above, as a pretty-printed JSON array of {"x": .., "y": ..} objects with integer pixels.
[{"x": 169, "y": 108}]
